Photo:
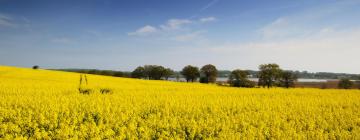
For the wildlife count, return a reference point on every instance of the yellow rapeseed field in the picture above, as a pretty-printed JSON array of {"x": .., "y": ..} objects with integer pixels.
[{"x": 47, "y": 104}]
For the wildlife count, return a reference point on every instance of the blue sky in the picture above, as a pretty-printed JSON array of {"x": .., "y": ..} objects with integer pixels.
[{"x": 313, "y": 35}]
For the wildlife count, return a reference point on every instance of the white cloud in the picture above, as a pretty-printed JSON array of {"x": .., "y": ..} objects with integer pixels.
[
  {"x": 144, "y": 30},
  {"x": 6, "y": 21},
  {"x": 309, "y": 40},
  {"x": 174, "y": 24},
  {"x": 175, "y": 30},
  {"x": 344, "y": 39},
  {"x": 207, "y": 19},
  {"x": 319, "y": 51}
]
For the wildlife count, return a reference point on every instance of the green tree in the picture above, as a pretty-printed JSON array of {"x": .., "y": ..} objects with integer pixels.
[
  {"x": 191, "y": 73},
  {"x": 269, "y": 74},
  {"x": 139, "y": 72},
  {"x": 345, "y": 83},
  {"x": 167, "y": 73},
  {"x": 239, "y": 78},
  {"x": 288, "y": 79},
  {"x": 210, "y": 72},
  {"x": 35, "y": 67},
  {"x": 154, "y": 72}
]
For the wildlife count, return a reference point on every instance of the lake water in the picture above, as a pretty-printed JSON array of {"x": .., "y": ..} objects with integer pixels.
[{"x": 223, "y": 79}]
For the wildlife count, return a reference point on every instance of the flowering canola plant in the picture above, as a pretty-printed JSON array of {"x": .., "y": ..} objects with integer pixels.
[{"x": 44, "y": 104}]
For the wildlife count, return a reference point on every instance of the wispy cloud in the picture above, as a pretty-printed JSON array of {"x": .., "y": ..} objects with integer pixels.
[
  {"x": 14, "y": 22},
  {"x": 316, "y": 39},
  {"x": 317, "y": 52},
  {"x": 306, "y": 22},
  {"x": 207, "y": 19},
  {"x": 323, "y": 38},
  {"x": 207, "y": 6},
  {"x": 174, "y": 24},
  {"x": 278, "y": 28},
  {"x": 171, "y": 25},
  {"x": 6, "y": 21},
  {"x": 144, "y": 31}
]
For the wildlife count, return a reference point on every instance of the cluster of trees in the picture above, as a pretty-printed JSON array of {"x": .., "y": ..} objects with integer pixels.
[
  {"x": 239, "y": 78},
  {"x": 269, "y": 75},
  {"x": 207, "y": 73},
  {"x": 153, "y": 72},
  {"x": 272, "y": 75}
]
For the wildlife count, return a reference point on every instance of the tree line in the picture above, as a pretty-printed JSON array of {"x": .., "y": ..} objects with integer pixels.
[
  {"x": 152, "y": 72},
  {"x": 269, "y": 75}
]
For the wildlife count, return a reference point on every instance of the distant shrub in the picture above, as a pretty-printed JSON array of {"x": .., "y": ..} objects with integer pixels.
[
  {"x": 249, "y": 84},
  {"x": 35, "y": 67},
  {"x": 345, "y": 83}
]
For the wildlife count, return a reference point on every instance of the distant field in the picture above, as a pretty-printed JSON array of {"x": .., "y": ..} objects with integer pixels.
[
  {"x": 324, "y": 85},
  {"x": 301, "y": 83},
  {"x": 47, "y": 104}
]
